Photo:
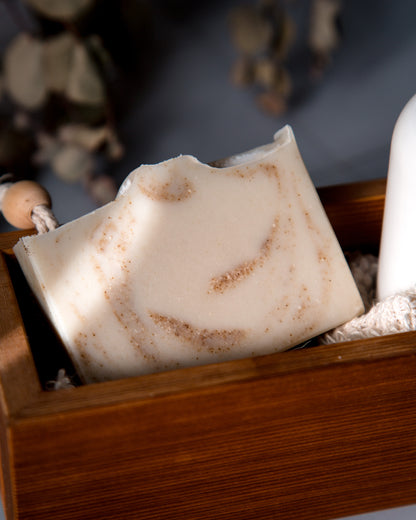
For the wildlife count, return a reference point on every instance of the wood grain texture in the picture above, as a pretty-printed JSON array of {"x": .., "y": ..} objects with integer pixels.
[
  {"x": 16, "y": 360},
  {"x": 319, "y": 443},
  {"x": 19, "y": 384},
  {"x": 9, "y": 239},
  {"x": 311, "y": 434}
]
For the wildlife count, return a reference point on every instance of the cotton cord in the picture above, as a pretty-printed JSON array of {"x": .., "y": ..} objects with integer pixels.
[{"x": 44, "y": 219}]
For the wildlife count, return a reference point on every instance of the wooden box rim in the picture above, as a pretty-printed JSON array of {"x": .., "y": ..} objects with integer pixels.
[
  {"x": 25, "y": 405},
  {"x": 34, "y": 400}
]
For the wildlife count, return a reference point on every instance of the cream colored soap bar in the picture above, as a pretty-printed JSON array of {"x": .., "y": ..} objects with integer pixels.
[{"x": 194, "y": 264}]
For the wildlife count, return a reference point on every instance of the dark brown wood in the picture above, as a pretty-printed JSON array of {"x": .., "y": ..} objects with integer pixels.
[
  {"x": 315, "y": 444},
  {"x": 356, "y": 225},
  {"x": 16, "y": 359},
  {"x": 311, "y": 434},
  {"x": 19, "y": 384}
]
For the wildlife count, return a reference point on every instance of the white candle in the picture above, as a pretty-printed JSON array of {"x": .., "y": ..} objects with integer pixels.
[{"x": 397, "y": 261}]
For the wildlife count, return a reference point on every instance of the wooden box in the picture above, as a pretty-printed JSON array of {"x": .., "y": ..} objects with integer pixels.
[{"x": 309, "y": 434}]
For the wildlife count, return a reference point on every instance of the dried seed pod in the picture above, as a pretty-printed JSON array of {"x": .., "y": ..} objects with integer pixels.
[
  {"x": 21, "y": 120},
  {"x": 265, "y": 72},
  {"x": 323, "y": 31},
  {"x": 85, "y": 136},
  {"x": 48, "y": 146},
  {"x": 264, "y": 34},
  {"x": 62, "y": 10},
  {"x": 250, "y": 31},
  {"x": 85, "y": 84},
  {"x": 101, "y": 188},
  {"x": 272, "y": 103},
  {"x": 24, "y": 71},
  {"x": 58, "y": 60},
  {"x": 72, "y": 163},
  {"x": 115, "y": 149}
]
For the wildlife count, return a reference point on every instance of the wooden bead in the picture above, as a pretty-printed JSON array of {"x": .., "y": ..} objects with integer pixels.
[{"x": 20, "y": 200}]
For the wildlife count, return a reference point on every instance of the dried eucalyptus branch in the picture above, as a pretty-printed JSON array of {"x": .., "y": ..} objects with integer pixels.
[
  {"x": 63, "y": 74},
  {"x": 264, "y": 34}
]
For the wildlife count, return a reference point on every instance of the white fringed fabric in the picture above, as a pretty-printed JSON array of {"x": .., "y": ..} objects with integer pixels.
[{"x": 394, "y": 314}]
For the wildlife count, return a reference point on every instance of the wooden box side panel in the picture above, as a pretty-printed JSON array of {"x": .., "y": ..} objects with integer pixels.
[
  {"x": 19, "y": 384},
  {"x": 318, "y": 444}
]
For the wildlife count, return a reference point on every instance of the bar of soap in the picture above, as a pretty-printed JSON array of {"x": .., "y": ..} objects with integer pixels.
[{"x": 194, "y": 264}]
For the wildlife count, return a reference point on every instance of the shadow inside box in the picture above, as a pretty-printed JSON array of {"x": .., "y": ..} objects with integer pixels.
[{"x": 48, "y": 351}]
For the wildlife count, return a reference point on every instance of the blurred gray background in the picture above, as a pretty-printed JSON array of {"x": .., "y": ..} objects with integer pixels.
[{"x": 343, "y": 124}]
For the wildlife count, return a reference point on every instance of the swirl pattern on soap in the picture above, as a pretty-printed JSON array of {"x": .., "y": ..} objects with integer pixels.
[
  {"x": 175, "y": 189},
  {"x": 212, "y": 340},
  {"x": 230, "y": 279}
]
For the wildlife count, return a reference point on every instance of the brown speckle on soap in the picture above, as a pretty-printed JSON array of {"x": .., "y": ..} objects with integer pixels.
[
  {"x": 214, "y": 341},
  {"x": 175, "y": 190},
  {"x": 230, "y": 279},
  {"x": 269, "y": 169},
  {"x": 119, "y": 298},
  {"x": 102, "y": 236},
  {"x": 81, "y": 345},
  {"x": 82, "y": 318}
]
